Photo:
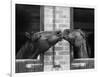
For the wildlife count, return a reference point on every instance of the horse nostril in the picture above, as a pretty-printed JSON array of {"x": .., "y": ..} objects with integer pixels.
[{"x": 58, "y": 33}]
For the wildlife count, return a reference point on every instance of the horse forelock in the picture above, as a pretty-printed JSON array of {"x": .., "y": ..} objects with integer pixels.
[{"x": 82, "y": 33}]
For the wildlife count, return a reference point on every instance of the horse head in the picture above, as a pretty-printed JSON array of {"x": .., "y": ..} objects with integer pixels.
[
  {"x": 44, "y": 40},
  {"x": 76, "y": 37}
]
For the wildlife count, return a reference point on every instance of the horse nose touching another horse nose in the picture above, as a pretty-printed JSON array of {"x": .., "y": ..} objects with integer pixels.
[
  {"x": 59, "y": 35},
  {"x": 62, "y": 34},
  {"x": 65, "y": 33}
]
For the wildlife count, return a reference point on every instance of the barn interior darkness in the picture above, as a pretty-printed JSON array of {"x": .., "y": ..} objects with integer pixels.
[
  {"x": 27, "y": 20},
  {"x": 83, "y": 18}
]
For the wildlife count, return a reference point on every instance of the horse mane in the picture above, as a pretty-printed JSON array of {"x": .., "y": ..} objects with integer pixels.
[
  {"x": 80, "y": 46},
  {"x": 84, "y": 50},
  {"x": 86, "y": 44}
]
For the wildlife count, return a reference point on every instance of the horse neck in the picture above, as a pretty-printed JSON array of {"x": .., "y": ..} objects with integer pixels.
[
  {"x": 83, "y": 49},
  {"x": 52, "y": 43},
  {"x": 28, "y": 45}
]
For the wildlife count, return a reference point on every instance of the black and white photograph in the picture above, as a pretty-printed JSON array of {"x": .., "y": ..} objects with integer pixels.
[{"x": 53, "y": 38}]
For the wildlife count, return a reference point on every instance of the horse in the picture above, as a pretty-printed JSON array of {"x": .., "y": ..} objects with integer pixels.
[
  {"x": 77, "y": 40},
  {"x": 38, "y": 43}
]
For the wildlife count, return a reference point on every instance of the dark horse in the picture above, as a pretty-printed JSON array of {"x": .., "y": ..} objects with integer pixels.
[
  {"x": 77, "y": 40},
  {"x": 38, "y": 43}
]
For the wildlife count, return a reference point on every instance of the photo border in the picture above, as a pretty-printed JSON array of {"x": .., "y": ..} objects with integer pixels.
[{"x": 31, "y": 2}]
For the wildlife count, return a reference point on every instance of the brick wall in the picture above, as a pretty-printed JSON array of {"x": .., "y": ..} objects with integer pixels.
[{"x": 57, "y": 18}]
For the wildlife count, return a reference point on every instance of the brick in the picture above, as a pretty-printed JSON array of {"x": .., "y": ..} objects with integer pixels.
[
  {"x": 48, "y": 9},
  {"x": 63, "y": 62},
  {"x": 64, "y": 25},
  {"x": 66, "y": 48},
  {"x": 47, "y": 58},
  {"x": 48, "y": 63},
  {"x": 49, "y": 53},
  {"x": 48, "y": 68},
  {"x": 48, "y": 15},
  {"x": 63, "y": 16},
  {"x": 67, "y": 21},
  {"x": 66, "y": 58},
  {"x": 65, "y": 43},
  {"x": 57, "y": 45},
  {"x": 48, "y": 21},
  {"x": 67, "y": 13},
  {"x": 58, "y": 57},
  {"x": 63, "y": 53},
  {"x": 56, "y": 69},
  {"x": 65, "y": 67},
  {"x": 62, "y": 28},
  {"x": 58, "y": 11},
  {"x": 58, "y": 48},
  {"x": 59, "y": 20},
  {"x": 48, "y": 28},
  {"x": 60, "y": 43},
  {"x": 49, "y": 25}
]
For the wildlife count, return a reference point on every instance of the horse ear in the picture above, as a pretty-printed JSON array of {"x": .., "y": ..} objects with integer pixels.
[
  {"x": 27, "y": 35},
  {"x": 36, "y": 36}
]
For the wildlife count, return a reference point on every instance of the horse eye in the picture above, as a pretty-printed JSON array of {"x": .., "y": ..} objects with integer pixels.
[{"x": 58, "y": 32}]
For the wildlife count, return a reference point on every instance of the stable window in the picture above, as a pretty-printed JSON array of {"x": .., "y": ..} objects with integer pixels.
[
  {"x": 27, "y": 20},
  {"x": 83, "y": 18}
]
